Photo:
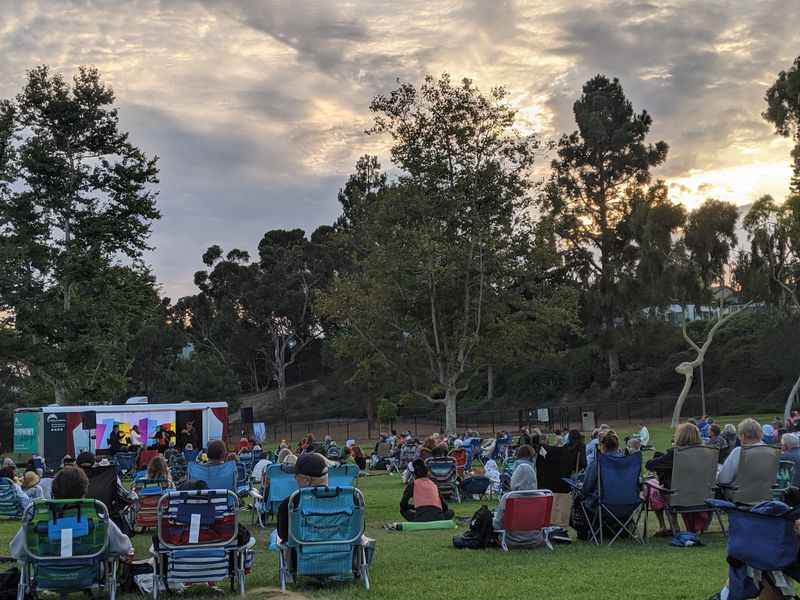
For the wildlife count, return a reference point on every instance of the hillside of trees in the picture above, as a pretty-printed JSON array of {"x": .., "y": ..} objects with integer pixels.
[{"x": 461, "y": 280}]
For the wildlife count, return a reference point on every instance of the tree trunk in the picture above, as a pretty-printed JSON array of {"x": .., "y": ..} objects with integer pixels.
[
  {"x": 490, "y": 383},
  {"x": 450, "y": 411},
  {"x": 687, "y": 385},
  {"x": 790, "y": 400},
  {"x": 613, "y": 367},
  {"x": 59, "y": 393},
  {"x": 372, "y": 406}
]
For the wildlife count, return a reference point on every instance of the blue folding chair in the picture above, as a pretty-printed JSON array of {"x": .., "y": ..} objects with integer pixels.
[
  {"x": 279, "y": 483},
  {"x": 760, "y": 538},
  {"x": 125, "y": 461},
  {"x": 217, "y": 477},
  {"x": 342, "y": 476},
  {"x": 619, "y": 502},
  {"x": 10, "y": 506},
  {"x": 191, "y": 455},
  {"x": 326, "y": 529},
  {"x": 242, "y": 479}
]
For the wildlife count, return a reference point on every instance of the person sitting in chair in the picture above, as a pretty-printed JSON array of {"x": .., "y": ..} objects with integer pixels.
[
  {"x": 71, "y": 483},
  {"x": 750, "y": 435},
  {"x": 523, "y": 479},
  {"x": 310, "y": 470},
  {"x": 428, "y": 502}
]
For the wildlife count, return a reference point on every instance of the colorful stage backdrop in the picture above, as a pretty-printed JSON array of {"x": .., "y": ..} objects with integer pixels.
[{"x": 148, "y": 424}]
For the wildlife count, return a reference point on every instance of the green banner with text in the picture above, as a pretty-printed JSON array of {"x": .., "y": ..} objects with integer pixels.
[{"x": 26, "y": 432}]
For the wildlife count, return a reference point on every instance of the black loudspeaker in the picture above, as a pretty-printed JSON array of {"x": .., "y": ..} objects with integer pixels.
[
  {"x": 89, "y": 420},
  {"x": 247, "y": 414}
]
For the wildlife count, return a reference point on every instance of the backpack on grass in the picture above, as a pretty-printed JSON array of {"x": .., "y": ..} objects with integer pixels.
[{"x": 481, "y": 531}]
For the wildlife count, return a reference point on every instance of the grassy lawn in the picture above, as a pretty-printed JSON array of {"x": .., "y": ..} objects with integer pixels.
[{"x": 425, "y": 565}]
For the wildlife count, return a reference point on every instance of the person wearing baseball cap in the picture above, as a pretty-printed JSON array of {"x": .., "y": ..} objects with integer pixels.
[{"x": 310, "y": 470}]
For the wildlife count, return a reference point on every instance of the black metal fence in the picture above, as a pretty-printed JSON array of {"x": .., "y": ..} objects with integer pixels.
[{"x": 489, "y": 422}]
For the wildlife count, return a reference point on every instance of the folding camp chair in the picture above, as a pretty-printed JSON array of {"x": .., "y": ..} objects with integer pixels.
[
  {"x": 407, "y": 455},
  {"x": 178, "y": 466},
  {"x": 694, "y": 473},
  {"x": 326, "y": 529},
  {"x": 103, "y": 487},
  {"x": 66, "y": 549},
  {"x": 783, "y": 480},
  {"x": 460, "y": 456},
  {"x": 145, "y": 456},
  {"x": 125, "y": 462},
  {"x": 191, "y": 455},
  {"x": 619, "y": 505},
  {"x": 442, "y": 471},
  {"x": 525, "y": 511},
  {"x": 221, "y": 476},
  {"x": 10, "y": 506},
  {"x": 197, "y": 540},
  {"x": 279, "y": 483},
  {"x": 755, "y": 477},
  {"x": 761, "y": 544},
  {"x": 342, "y": 476},
  {"x": 149, "y": 492}
]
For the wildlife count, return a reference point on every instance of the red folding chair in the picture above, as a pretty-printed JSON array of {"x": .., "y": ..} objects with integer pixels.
[
  {"x": 525, "y": 511},
  {"x": 460, "y": 456}
]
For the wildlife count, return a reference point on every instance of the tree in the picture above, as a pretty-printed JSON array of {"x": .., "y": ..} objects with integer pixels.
[
  {"x": 593, "y": 183},
  {"x": 75, "y": 196},
  {"x": 710, "y": 236},
  {"x": 280, "y": 304},
  {"x": 438, "y": 256},
  {"x": 783, "y": 111},
  {"x": 771, "y": 269}
]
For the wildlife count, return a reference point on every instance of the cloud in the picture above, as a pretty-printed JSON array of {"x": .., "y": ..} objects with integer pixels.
[{"x": 257, "y": 109}]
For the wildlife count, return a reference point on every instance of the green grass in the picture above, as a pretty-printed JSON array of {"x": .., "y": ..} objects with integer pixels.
[{"x": 424, "y": 565}]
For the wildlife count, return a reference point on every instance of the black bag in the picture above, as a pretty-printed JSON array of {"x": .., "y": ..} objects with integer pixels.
[
  {"x": 9, "y": 582},
  {"x": 481, "y": 531}
]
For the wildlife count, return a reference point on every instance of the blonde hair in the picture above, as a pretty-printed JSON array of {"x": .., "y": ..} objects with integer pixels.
[
  {"x": 158, "y": 468},
  {"x": 687, "y": 434}
]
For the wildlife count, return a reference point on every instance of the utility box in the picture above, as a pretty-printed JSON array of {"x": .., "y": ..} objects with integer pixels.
[{"x": 587, "y": 420}]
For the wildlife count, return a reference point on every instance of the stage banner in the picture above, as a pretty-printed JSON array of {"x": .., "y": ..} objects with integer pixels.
[
  {"x": 148, "y": 423},
  {"x": 26, "y": 432}
]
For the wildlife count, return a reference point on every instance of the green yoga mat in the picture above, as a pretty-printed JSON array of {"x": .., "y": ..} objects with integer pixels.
[{"x": 425, "y": 526}]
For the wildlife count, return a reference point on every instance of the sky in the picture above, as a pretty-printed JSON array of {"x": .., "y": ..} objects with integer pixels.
[{"x": 257, "y": 109}]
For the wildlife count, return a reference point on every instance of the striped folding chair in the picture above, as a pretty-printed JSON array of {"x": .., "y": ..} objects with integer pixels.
[
  {"x": 10, "y": 506},
  {"x": 197, "y": 540}
]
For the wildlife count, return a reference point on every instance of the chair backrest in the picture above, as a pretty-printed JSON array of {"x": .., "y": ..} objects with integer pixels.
[
  {"x": 757, "y": 472},
  {"x": 619, "y": 479},
  {"x": 149, "y": 487},
  {"x": 46, "y": 521},
  {"x": 191, "y": 455},
  {"x": 246, "y": 457},
  {"x": 103, "y": 486},
  {"x": 197, "y": 518},
  {"x": 527, "y": 510},
  {"x": 559, "y": 462},
  {"x": 342, "y": 476},
  {"x": 334, "y": 453},
  {"x": 442, "y": 469},
  {"x": 217, "y": 477},
  {"x": 460, "y": 456},
  {"x": 145, "y": 456},
  {"x": 125, "y": 461},
  {"x": 785, "y": 475},
  {"x": 694, "y": 473},
  {"x": 281, "y": 481},
  {"x": 383, "y": 450},
  {"x": 9, "y": 503}
]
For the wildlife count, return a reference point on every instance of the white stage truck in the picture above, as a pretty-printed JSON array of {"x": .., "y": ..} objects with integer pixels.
[{"x": 53, "y": 431}]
